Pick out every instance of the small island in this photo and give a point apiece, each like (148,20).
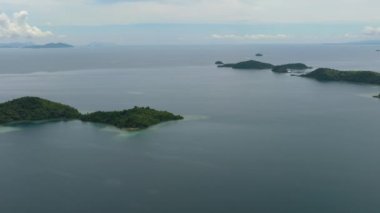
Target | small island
(219,62)
(326,74)
(286,67)
(136,118)
(257,65)
(50,45)
(377,96)
(251,64)
(29,109)
(35,109)
(259,55)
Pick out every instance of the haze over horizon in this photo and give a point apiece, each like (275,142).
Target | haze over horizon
(189,22)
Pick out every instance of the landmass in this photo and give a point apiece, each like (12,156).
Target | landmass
(326,74)
(252,64)
(136,118)
(257,65)
(15,45)
(28,109)
(50,45)
(377,96)
(259,55)
(219,62)
(34,109)
(286,67)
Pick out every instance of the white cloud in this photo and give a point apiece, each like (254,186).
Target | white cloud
(372,31)
(254,37)
(18,27)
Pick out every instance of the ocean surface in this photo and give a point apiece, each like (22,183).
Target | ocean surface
(251,142)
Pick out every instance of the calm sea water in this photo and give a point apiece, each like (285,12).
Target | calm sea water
(252,141)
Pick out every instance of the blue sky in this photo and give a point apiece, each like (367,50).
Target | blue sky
(189,22)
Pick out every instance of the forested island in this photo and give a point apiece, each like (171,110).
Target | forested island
(136,118)
(251,64)
(326,74)
(257,65)
(28,109)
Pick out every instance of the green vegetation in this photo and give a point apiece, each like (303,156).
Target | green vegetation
(256,65)
(286,67)
(325,74)
(35,109)
(136,118)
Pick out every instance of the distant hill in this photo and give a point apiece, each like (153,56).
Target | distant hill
(15,45)
(50,45)
(34,46)
(366,42)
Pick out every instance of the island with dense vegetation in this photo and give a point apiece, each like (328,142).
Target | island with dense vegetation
(251,64)
(136,118)
(257,65)
(35,109)
(326,74)
(28,109)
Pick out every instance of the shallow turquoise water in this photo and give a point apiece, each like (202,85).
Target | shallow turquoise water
(252,141)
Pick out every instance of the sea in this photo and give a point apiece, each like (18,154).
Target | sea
(252,141)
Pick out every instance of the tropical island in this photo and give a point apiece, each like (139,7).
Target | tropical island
(29,109)
(136,118)
(251,64)
(326,74)
(257,65)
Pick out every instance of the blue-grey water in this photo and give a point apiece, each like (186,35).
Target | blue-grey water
(252,141)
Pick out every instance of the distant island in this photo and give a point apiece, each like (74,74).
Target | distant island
(326,74)
(257,65)
(251,64)
(34,46)
(29,109)
(136,118)
(50,45)
(259,55)
(219,62)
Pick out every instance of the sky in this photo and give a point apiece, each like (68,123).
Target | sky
(140,22)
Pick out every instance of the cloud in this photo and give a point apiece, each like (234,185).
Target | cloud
(254,37)
(18,27)
(372,31)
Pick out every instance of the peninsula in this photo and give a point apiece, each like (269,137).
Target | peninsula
(28,109)
(326,74)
